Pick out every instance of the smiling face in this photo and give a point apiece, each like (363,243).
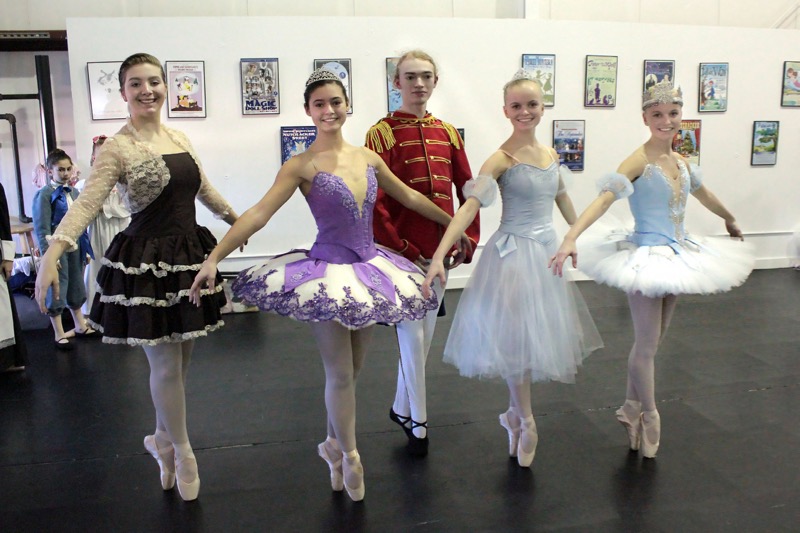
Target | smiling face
(144,90)
(524,105)
(416,79)
(664,120)
(327,107)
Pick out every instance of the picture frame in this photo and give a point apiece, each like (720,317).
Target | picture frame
(543,69)
(462,133)
(600,81)
(764,145)
(343,69)
(657,71)
(260,83)
(790,95)
(569,141)
(105,99)
(296,140)
(712,88)
(394,100)
(186,89)
(687,140)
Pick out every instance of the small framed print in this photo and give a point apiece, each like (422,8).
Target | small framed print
(764,148)
(461,132)
(186,88)
(791,84)
(569,137)
(600,82)
(687,141)
(394,100)
(104,95)
(260,87)
(713,88)
(658,71)
(543,69)
(296,140)
(342,68)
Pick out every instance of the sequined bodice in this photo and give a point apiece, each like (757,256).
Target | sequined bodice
(528,193)
(658,208)
(344,231)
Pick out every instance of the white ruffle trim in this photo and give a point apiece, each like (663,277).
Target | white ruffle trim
(695,177)
(160,270)
(615,183)
(73,245)
(483,188)
(174,337)
(172,298)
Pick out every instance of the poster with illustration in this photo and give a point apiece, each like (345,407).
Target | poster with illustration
(104,95)
(569,137)
(393,97)
(713,89)
(658,71)
(543,69)
(791,84)
(186,88)
(764,149)
(342,68)
(600,83)
(687,141)
(260,89)
(296,140)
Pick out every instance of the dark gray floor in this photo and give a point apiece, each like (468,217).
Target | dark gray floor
(728,384)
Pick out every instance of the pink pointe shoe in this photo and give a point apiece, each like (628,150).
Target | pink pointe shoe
(166,461)
(188,490)
(506,420)
(629,415)
(651,433)
(528,439)
(332,454)
(353,470)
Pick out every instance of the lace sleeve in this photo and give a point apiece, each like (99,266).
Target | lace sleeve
(105,174)
(617,184)
(695,177)
(483,188)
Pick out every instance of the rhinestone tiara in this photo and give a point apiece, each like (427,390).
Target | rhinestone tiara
(662,93)
(322,74)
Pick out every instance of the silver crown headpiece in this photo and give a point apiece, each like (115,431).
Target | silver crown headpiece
(662,93)
(322,74)
(520,74)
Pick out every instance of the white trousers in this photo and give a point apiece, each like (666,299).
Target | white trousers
(414,339)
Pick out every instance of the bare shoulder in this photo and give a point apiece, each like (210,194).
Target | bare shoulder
(633,166)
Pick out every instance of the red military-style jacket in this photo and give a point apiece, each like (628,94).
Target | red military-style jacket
(428,155)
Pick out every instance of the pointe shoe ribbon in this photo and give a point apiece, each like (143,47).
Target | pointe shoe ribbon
(188,491)
(629,415)
(166,461)
(352,468)
(513,432)
(333,457)
(651,427)
(528,439)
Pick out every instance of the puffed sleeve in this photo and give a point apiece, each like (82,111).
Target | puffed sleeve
(695,177)
(565,179)
(105,174)
(483,188)
(617,184)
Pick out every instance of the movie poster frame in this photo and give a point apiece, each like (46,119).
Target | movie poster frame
(564,125)
(347,66)
(693,157)
(701,85)
(307,134)
(789,100)
(649,66)
(176,66)
(272,62)
(392,92)
(589,76)
(100,96)
(774,159)
(546,68)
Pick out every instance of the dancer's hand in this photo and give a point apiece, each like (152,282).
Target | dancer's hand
(463,248)
(435,270)
(46,277)
(422,264)
(733,230)
(206,277)
(567,250)
(241,246)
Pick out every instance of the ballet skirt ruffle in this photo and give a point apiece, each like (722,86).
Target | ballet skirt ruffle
(143,287)
(385,289)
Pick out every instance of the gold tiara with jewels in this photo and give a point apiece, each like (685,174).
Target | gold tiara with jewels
(662,93)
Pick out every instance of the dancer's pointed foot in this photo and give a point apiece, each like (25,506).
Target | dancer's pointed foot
(629,415)
(332,454)
(353,476)
(528,439)
(651,433)
(510,421)
(166,460)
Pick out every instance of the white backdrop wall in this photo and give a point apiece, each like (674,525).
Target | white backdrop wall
(241,153)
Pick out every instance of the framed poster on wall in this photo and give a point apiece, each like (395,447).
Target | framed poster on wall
(791,84)
(296,140)
(394,100)
(260,87)
(600,82)
(658,71)
(569,137)
(687,141)
(713,88)
(543,69)
(343,69)
(186,89)
(764,147)
(104,96)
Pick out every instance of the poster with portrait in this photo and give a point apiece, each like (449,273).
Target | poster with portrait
(600,82)
(657,71)
(791,84)
(343,69)
(713,88)
(687,141)
(764,149)
(104,96)
(260,88)
(543,69)
(394,99)
(186,89)
(296,140)
(569,137)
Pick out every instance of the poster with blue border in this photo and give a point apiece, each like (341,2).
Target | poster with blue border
(296,140)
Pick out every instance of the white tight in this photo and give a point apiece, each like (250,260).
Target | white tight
(343,352)
(651,317)
(169,365)
(519,390)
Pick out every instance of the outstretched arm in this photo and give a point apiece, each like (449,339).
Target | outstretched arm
(712,203)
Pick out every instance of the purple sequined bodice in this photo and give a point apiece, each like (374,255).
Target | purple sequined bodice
(344,232)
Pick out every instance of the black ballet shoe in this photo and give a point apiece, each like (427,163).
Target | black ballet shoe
(417,446)
(87,333)
(400,420)
(64,344)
